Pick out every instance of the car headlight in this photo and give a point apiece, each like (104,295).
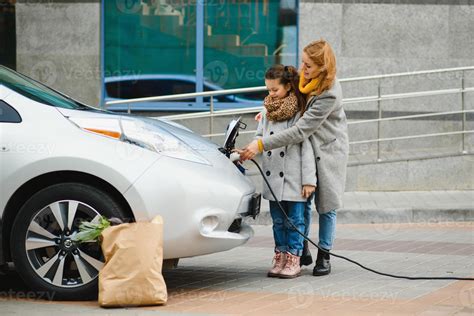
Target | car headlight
(141,134)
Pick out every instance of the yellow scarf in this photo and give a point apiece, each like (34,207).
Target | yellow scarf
(311,86)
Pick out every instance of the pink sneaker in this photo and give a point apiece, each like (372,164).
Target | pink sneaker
(292,267)
(279,261)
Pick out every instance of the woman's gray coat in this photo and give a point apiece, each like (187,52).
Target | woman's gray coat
(287,168)
(324,123)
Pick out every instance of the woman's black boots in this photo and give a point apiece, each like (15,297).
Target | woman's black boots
(323,266)
(306,258)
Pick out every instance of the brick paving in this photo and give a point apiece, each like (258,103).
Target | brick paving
(235,282)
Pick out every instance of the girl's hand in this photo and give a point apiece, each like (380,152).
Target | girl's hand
(258,117)
(308,190)
(250,151)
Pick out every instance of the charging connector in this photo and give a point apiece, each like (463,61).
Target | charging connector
(235,156)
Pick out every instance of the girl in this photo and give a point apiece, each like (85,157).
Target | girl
(290,170)
(324,124)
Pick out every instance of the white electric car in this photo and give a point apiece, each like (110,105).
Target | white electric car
(62,162)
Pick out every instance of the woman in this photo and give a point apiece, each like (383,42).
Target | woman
(324,123)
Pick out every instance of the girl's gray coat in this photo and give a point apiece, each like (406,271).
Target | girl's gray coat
(287,168)
(324,124)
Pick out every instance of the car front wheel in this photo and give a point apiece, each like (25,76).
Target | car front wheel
(43,250)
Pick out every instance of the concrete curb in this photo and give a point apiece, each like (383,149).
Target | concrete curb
(387,215)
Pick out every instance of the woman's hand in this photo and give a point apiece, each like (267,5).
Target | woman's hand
(258,117)
(250,151)
(308,190)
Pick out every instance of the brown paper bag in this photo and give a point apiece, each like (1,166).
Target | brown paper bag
(131,275)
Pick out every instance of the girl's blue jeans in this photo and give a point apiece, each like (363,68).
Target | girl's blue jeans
(327,225)
(287,239)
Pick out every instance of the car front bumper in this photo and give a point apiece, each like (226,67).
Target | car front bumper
(198,203)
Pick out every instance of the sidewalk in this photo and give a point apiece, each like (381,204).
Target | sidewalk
(235,283)
(399,207)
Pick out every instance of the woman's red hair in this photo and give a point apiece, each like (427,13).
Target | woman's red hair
(321,53)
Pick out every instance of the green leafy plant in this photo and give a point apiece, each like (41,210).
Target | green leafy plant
(89,231)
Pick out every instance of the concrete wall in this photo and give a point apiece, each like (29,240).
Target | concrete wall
(383,37)
(391,36)
(58,44)
(442,173)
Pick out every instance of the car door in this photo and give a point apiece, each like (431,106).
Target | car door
(10,120)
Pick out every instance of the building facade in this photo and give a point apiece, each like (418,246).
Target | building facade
(75,46)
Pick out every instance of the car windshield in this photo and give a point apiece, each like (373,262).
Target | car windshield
(36,91)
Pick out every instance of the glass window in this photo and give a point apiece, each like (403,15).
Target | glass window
(149,38)
(157,38)
(8,114)
(132,89)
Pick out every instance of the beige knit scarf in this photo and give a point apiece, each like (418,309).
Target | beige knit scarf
(281,109)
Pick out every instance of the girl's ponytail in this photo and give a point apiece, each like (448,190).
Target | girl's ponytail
(293,77)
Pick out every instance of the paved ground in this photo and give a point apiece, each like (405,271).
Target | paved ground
(235,282)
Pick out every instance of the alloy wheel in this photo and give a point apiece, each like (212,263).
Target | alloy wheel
(51,250)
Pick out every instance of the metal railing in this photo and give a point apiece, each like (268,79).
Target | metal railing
(462,90)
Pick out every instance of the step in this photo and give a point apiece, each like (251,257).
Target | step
(451,172)
(173,25)
(222,40)
(257,50)
(395,209)
(169,24)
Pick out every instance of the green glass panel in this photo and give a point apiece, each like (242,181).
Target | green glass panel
(156,39)
(149,40)
(243,38)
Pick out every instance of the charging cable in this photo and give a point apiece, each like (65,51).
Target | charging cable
(345,258)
